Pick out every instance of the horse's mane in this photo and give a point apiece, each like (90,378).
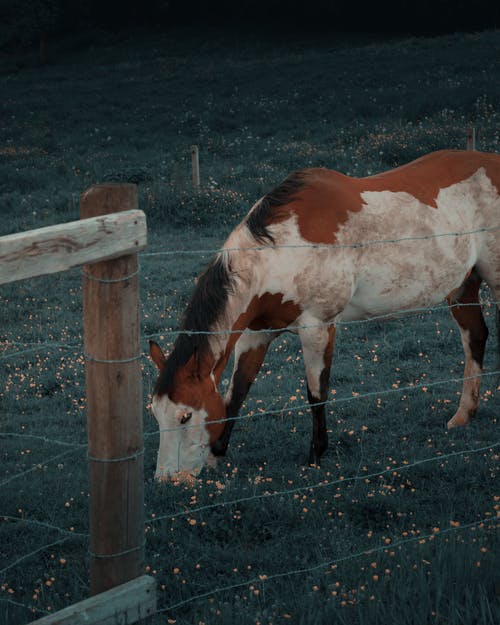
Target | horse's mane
(267,210)
(207,304)
(210,296)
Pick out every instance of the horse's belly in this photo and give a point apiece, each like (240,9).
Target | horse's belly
(393,294)
(368,305)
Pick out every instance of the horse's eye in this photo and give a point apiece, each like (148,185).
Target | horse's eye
(185,417)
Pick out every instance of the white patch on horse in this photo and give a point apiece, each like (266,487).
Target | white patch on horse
(314,342)
(419,272)
(182,449)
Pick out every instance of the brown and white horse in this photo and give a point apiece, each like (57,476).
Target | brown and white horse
(319,249)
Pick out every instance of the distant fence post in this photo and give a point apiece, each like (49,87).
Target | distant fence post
(195,162)
(471,138)
(114,403)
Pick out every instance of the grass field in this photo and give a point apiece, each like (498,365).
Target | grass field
(379,534)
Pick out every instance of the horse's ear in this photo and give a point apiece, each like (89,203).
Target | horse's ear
(157,355)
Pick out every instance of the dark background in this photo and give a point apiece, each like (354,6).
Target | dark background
(25,23)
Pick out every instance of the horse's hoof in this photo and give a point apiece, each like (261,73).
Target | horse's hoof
(314,461)
(314,465)
(458,420)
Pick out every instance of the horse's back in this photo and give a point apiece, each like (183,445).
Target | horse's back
(323,200)
(365,246)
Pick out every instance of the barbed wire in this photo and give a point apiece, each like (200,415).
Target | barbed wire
(398,315)
(41,346)
(261,579)
(367,243)
(18,604)
(333,400)
(357,245)
(323,484)
(44,524)
(45,439)
(33,553)
(392,316)
(37,467)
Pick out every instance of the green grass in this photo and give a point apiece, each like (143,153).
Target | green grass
(258,109)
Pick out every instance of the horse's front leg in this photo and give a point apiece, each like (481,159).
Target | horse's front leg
(317,348)
(249,354)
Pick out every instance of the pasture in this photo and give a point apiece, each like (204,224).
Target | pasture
(400,524)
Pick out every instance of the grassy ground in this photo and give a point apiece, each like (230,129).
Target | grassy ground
(257,109)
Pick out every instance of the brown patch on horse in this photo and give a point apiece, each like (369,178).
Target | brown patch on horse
(426,176)
(326,198)
(469,316)
(270,311)
(248,366)
(264,312)
(194,387)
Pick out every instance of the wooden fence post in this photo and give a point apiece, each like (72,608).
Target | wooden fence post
(114,403)
(471,138)
(195,163)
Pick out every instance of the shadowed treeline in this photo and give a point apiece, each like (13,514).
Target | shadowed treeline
(22,23)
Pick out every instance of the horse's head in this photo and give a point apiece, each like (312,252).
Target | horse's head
(186,415)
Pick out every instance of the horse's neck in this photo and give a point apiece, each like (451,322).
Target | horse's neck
(240,309)
(227,331)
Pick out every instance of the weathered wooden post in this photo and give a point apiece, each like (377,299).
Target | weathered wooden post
(195,164)
(471,138)
(114,403)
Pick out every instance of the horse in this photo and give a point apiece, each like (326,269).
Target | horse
(319,249)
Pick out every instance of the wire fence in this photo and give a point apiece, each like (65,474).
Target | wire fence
(265,579)
(332,246)
(75,448)
(293,327)
(397,314)
(323,484)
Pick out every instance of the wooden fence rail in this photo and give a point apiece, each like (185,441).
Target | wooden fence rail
(57,248)
(125,604)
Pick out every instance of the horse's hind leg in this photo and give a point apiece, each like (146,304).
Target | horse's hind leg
(474,332)
(317,347)
(249,353)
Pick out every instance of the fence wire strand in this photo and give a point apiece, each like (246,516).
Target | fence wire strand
(358,245)
(18,604)
(44,439)
(324,484)
(334,400)
(392,316)
(34,553)
(44,524)
(38,467)
(397,315)
(262,579)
